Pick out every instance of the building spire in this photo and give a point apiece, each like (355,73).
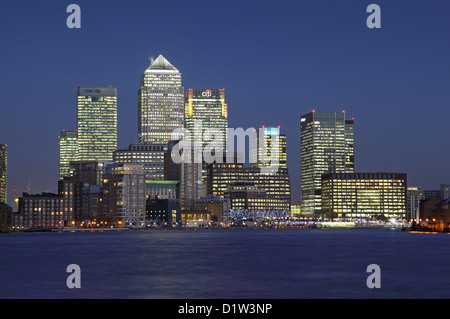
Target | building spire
(161,63)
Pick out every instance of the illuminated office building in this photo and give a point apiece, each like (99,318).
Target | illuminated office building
(364,195)
(160,102)
(97,123)
(3,173)
(271,139)
(150,155)
(227,178)
(207,108)
(67,152)
(327,146)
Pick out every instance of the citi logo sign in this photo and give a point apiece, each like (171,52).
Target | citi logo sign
(206,93)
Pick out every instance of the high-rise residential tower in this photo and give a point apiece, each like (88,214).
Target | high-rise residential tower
(97,123)
(3,173)
(160,102)
(327,146)
(67,152)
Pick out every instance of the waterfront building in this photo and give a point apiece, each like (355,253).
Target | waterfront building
(413,198)
(124,195)
(245,195)
(5,217)
(364,195)
(40,211)
(327,146)
(160,211)
(66,189)
(160,102)
(225,177)
(217,206)
(3,173)
(296,210)
(88,178)
(67,152)
(164,189)
(97,123)
(435,214)
(150,155)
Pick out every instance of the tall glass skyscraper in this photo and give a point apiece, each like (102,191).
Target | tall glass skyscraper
(209,107)
(97,123)
(268,153)
(160,102)
(3,173)
(327,146)
(67,152)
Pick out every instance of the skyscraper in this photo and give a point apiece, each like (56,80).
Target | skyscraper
(209,107)
(207,110)
(327,146)
(160,102)
(67,152)
(97,123)
(3,173)
(274,147)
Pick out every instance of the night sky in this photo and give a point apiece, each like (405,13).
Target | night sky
(277,60)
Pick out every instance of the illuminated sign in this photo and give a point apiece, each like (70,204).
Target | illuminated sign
(206,93)
(95,91)
(303,120)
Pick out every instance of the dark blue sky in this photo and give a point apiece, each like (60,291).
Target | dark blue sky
(277,60)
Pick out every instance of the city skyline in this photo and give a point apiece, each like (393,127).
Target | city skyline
(411,102)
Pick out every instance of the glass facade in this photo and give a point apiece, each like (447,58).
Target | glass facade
(208,107)
(264,154)
(160,102)
(3,173)
(67,152)
(327,146)
(364,195)
(97,123)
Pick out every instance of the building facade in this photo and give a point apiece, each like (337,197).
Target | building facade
(124,194)
(414,195)
(150,155)
(327,146)
(364,195)
(67,152)
(160,102)
(97,123)
(207,107)
(40,211)
(277,187)
(445,191)
(271,148)
(3,173)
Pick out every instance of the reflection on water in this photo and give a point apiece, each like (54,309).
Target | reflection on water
(249,263)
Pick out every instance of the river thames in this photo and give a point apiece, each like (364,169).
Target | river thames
(225,263)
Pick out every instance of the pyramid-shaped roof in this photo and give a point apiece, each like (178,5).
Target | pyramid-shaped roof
(161,63)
